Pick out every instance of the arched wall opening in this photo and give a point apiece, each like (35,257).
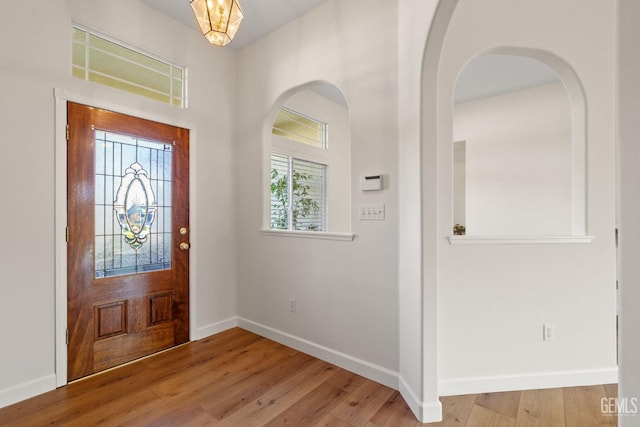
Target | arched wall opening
(542,135)
(316,103)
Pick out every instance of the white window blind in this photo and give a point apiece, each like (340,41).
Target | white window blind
(97,59)
(298,194)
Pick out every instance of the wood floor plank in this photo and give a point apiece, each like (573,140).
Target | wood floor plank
(483,417)
(366,400)
(202,376)
(312,408)
(347,381)
(82,397)
(505,403)
(172,405)
(277,400)
(166,410)
(332,421)
(172,417)
(55,411)
(611,390)
(256,383)
(394,413)
(541,408)
(206,350)
(456,410)
(111,411)
(582,407)
(612,393)
(217,384)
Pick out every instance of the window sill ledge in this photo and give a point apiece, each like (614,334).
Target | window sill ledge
(322,235)
(517,240)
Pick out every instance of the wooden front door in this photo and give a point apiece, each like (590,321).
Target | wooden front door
(127,240)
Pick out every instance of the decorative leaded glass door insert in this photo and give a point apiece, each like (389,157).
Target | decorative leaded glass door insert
(133,205)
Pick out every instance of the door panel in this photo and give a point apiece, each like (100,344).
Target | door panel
(127,201)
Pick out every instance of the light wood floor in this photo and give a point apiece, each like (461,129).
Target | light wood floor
(557,407)
(238,379)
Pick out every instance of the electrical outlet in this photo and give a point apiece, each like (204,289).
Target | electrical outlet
(292,305)
(548,332)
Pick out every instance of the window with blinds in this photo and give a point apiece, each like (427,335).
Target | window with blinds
(298,194)
(96,59)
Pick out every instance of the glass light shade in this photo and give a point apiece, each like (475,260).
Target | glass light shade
(218,19)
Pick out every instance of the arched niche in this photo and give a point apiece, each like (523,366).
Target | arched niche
(519,146)
(323,169)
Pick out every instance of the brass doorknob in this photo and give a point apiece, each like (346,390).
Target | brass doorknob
(184,246)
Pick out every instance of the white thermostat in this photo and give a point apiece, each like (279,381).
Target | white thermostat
(371,183)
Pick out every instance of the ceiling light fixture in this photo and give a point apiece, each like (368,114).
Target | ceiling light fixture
(218,19)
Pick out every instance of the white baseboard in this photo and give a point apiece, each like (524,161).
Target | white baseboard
(425,412)
(25,390)
(541,380)
(214,328)
(361,367)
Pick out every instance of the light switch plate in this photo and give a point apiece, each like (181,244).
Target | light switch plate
(371,212)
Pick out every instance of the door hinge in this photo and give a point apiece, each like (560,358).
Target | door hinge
(67,131)
(67,336)
(66,234)
(616,237)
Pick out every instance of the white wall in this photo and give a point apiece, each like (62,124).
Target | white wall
(494,299)
(518,162)
(346,292)
(36,58)
(459,182)
(629,128)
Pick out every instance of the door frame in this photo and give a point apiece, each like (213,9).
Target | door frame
(61,98)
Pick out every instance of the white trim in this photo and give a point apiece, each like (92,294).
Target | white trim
(193,229)
(324,235)
(529,381)
(286,147)
(61,97)
(214,328)
(25,390)
(517,240)
(60,142)
(122,109)
(425,412)
(361,367)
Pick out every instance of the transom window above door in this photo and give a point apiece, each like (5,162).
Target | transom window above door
(98,59)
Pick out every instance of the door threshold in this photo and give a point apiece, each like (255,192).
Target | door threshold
(131,362)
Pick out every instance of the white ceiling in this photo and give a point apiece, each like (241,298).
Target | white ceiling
(261,17)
